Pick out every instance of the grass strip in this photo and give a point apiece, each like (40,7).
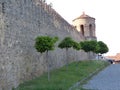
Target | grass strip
(62,79)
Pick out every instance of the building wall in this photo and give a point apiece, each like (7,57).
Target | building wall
(21,21)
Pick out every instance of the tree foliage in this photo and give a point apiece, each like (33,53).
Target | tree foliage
(94,46)
(45,43)
(76,46)
(67,42)
(101,48)
(88,46)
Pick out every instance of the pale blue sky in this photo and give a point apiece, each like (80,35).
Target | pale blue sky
(106,13)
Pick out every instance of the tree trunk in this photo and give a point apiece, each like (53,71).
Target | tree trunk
(67,57)
(77,60)
(89,55)
(48,66)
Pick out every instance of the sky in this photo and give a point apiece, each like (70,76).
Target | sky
(106,13)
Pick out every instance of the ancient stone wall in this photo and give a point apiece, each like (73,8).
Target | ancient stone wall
(21,21)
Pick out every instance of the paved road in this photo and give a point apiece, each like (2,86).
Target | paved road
(108,79)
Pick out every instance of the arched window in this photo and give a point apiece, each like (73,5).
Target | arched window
(82,29)
(90,29)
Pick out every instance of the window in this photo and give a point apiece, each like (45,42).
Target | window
(82,29)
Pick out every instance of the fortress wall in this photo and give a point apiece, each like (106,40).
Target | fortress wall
(21,21)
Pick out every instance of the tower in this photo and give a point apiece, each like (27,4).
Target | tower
(86,25)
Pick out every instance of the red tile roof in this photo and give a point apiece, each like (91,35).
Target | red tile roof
(83,16)
(116,57)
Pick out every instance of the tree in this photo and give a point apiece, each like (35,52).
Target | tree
(101,48)
(76,46)
(88,46)
(45,44)
(66,43)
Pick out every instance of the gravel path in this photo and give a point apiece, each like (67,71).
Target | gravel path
(108,79)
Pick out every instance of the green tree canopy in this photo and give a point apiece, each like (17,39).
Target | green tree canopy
(45,43)
(88,46)
(76,46)
(67,42)
(101,48)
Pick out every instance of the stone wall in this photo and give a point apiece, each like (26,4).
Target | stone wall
(21,21)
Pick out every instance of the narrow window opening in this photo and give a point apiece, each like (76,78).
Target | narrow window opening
(82,29)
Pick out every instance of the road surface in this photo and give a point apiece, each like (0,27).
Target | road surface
(108,79)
